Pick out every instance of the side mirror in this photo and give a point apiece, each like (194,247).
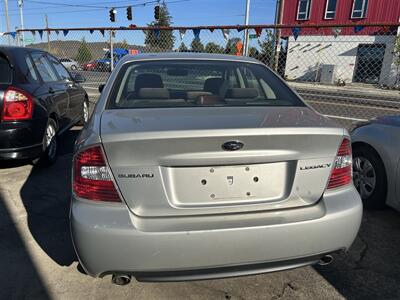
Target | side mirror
(78,78)
(101,88)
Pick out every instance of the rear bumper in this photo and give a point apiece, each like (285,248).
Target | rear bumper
(106,241)
(19,140)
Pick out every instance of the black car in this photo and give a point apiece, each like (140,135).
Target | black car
(39,100)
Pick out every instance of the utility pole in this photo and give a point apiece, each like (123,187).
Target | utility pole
(7,20)
(111,51)
(21,16)
(48,33)
(277,36)
(246,31)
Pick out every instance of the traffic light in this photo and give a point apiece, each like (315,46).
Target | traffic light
(157,12)
(112,14)
(129,12)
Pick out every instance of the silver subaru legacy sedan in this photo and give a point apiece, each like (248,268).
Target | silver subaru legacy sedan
(199,166)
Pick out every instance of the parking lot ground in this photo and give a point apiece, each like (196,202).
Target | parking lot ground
(37,259)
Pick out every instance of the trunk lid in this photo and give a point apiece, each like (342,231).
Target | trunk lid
(170,162)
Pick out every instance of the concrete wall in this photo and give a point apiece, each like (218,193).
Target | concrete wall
(308,53)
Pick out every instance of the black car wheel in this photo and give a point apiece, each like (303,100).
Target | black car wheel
(50,143)
(85,113)
(369,177)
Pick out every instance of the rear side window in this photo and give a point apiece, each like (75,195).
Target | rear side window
(5,70)
(61,71)
(44,68)
(196,83)
(29,72)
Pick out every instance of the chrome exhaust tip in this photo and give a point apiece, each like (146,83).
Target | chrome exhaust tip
(325,260)
(120,279)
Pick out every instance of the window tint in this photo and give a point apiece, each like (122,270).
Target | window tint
(5,70)
(61,71)
(303,12)
(44,68)
(186,83)
(330,11)
(29,72)
(359,9)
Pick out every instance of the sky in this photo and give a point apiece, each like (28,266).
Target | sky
(79,13)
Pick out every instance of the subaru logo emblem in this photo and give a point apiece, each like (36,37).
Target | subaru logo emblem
(232,145)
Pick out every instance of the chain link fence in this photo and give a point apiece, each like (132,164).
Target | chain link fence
(348,73)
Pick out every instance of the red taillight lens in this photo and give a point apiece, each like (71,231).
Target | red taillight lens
(342,173)
(17,105)
(92,179)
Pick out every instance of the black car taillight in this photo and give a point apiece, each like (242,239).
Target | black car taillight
(92,177)
(17,105)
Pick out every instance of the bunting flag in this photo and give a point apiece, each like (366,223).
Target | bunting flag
(336,31)
(196,33)
(182,33)
(296,32)
(102,32)
(33,32)
(57,32)
(358,28)
(225,33)
(258,31)
(157,33)
(239,29)
(91,31)
(211,29)
(65,32)
(13,34)
(40,33)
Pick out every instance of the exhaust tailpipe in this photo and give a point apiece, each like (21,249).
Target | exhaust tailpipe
(325,260)
(120,279)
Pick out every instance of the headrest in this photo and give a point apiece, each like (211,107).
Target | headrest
(148,81)
(213,85)
(153,93)
(241,93)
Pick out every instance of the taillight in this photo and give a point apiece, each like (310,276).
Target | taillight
(92,177)
(17,105)
(342,173)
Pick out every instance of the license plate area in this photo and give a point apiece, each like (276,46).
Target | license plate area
(224,185)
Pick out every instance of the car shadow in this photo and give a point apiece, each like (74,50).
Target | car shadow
(370,270)
(20,277)
(46,197)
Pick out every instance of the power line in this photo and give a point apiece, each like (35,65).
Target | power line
(92,8)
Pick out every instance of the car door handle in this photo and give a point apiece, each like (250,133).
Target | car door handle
(51,90)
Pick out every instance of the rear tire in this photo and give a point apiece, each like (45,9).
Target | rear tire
(50,144)
(369,177)
(84,113)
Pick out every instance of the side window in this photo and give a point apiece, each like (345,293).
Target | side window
(61,71)
(359,10)
(303,10)
(29,72)
(44,68)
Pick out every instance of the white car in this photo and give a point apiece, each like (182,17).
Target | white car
(376,159)
(70,64)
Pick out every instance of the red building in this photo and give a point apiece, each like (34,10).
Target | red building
(362,54)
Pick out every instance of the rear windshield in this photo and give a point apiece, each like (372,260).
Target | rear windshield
(5,70)
(191,83)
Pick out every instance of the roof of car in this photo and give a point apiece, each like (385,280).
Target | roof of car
(188,55)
